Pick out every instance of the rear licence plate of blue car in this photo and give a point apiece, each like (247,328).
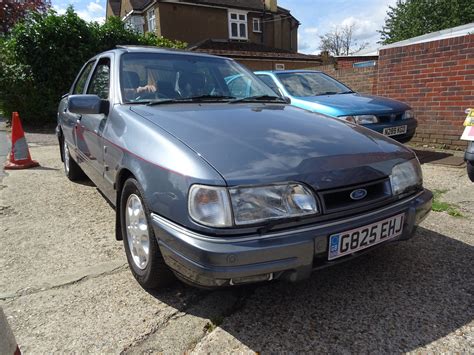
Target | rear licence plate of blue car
(393,131)
(356,239)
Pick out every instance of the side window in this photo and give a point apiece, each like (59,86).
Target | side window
(100,81)
(267,79)
(81,82)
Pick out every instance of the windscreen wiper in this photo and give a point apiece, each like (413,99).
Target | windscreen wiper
(163,101)
(258,98)
(210,97)
(327,93)
(191,99)
(345,92)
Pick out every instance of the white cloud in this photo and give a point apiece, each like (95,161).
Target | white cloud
(94,12)
(367,15)
(86,9)
(59,10)
(95,7)
(311,30)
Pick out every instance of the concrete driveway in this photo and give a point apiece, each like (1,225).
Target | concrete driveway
(65,284)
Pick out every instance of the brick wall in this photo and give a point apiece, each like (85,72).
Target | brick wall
(348,62)
(362,80)
(437,80)
(270,64)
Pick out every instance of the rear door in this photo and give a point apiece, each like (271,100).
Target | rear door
(90,127)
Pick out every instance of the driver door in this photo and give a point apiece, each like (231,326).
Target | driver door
(90,127)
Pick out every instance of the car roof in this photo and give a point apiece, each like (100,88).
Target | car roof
(287,71)
(152,49)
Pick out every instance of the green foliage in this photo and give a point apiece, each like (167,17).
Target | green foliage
(441,206)
(411,18)
(43,54)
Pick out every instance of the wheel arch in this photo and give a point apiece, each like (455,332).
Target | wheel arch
(122,176)
(60,136)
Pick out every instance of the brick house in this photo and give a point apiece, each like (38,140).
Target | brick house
(251,21)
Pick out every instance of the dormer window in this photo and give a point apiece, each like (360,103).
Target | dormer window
(237,25)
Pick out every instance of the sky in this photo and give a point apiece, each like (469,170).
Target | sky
(317,17)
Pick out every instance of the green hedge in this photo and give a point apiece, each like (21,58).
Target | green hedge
(43,54)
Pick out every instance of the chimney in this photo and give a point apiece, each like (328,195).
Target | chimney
(271,5)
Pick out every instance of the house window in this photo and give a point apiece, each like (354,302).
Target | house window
(237,25)
(257,25)
(150,15)
(369,63)
(279,66)
(134,23)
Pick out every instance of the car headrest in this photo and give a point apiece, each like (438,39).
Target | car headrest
(130,80)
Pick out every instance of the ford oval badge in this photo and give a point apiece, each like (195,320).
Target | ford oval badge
(358,194)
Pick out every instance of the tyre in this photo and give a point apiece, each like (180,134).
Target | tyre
(71,168)
(143,254)
(470,170)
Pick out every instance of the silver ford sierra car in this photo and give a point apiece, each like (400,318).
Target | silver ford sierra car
(221,184)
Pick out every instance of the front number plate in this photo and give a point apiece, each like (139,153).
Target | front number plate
(349,242)
(393,131)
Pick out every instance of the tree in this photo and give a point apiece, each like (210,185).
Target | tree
(411,18)
(42,55)
(340,41)
(12,11)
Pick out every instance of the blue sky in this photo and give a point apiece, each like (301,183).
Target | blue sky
(316,16)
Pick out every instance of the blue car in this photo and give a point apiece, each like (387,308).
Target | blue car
(318,92)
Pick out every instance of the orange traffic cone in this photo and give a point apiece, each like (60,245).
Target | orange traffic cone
(20,154)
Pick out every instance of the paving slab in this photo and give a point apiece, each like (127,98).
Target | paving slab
(66,287)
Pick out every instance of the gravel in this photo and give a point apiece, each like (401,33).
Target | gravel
(65,285)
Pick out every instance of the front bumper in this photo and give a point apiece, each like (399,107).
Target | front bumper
(405,137)
(290,254)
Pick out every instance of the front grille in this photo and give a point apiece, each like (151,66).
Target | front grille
(391,117)
(338,200)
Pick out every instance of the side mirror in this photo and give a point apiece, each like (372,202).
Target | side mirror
(87,105)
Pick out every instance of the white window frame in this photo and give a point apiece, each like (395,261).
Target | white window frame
(279,66)
(134,23)
(256,21)
(151,20)
(238,22)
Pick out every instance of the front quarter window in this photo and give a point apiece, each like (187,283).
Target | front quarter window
(81,81)
(99,84)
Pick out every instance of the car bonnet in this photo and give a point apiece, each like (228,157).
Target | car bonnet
(269,143)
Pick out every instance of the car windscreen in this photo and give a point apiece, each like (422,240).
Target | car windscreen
(306,84)
(146,77)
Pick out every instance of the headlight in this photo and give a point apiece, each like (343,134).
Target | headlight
(361,119)
(211,206)
(406,176)
(408,114)
(257,204)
